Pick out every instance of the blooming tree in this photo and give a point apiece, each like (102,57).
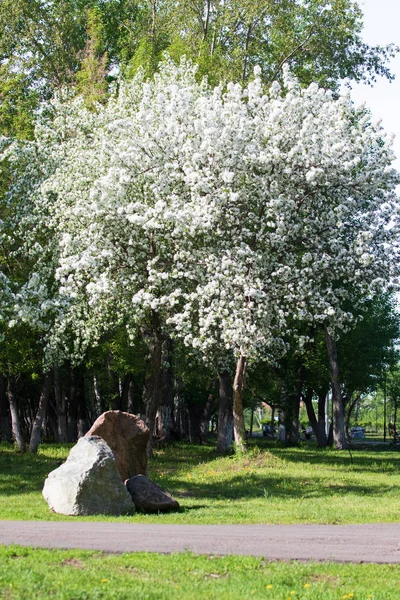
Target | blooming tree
(225,215)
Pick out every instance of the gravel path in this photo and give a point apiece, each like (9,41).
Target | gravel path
(378,542)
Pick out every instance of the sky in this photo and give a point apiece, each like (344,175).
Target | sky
(382,26)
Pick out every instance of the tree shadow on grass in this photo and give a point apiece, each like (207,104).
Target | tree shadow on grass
(373,461)
(257,486)
(24,473)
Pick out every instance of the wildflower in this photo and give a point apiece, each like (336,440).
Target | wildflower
(269,587)
(307,585)
(104,581)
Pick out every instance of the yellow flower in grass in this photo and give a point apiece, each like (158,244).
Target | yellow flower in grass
(104,581)
(269,587)
(307,585)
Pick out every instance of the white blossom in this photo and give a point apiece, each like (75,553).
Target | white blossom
(230,213)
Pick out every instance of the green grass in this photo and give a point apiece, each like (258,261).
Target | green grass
(271,484)
(26,574)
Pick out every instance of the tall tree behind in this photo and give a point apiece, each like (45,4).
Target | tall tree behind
(91,77)
(320,39)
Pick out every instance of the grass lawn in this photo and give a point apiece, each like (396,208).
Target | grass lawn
(27,574)
(270,484)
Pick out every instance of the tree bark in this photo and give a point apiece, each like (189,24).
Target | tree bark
(73,408)
(83,412)
(239,384)
(78,418)
(5,426)
(126,382)
(154,383)
(205,420)
(339,437)
(40,414)
(15,421)
(246,50)
(205,23)
(322,394)
(350,409)
(135,396)
(61,408)
(295,423)
(181,425)
(165,406)
(272,426)
(195,417)
(251,422)
(225,413)
(114,396)
(318,427)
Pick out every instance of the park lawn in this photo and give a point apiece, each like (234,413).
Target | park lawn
(270,484)
(27,574)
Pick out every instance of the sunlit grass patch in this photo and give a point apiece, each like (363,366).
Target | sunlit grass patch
(269,484)
(27,574)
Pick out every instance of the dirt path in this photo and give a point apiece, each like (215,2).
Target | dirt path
(379,543)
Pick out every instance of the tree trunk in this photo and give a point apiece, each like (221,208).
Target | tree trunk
(322,394)
(78,421)
(130,398)
(181,425)
(73,408)
(40,414)
(293,435)
(318,428)
(195,417)
(272,426)
(251,422)
(135,396)
(225,413)
(126,382)
(15,421)
(5,426)
(350,409)
(295,422)
(114,396)
(83,413)
(165,406)
(339,437)
(154,383)
(205,420)
(61,408)
(239,384)
(246,50)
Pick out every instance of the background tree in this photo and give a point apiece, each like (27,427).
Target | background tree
(47,46)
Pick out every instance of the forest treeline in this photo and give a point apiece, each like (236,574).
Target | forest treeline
(87,49)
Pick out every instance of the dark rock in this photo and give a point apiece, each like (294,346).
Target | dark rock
(148,496)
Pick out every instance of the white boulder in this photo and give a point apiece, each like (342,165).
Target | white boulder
(88,483)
